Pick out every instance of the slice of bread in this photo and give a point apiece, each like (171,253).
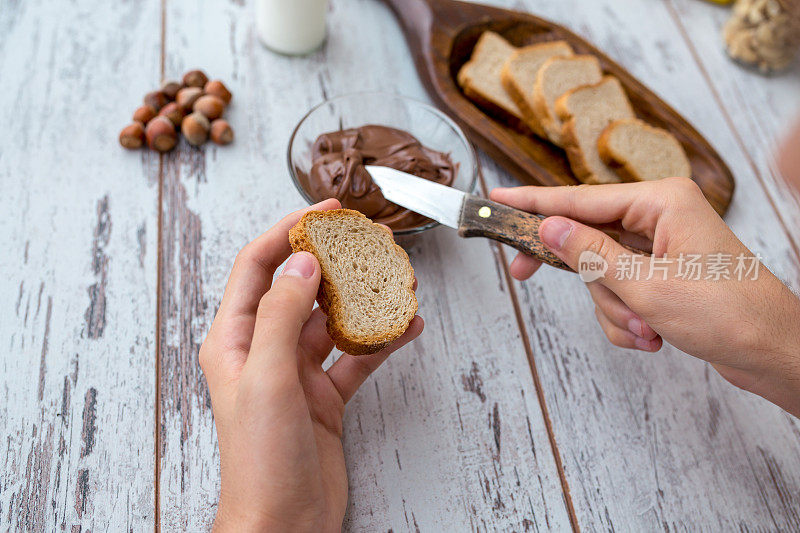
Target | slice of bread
(367,280)
(638,151)
(519,75)
(556,76)
(480,80)
(585,112)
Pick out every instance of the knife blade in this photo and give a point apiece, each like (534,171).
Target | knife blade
(471,215)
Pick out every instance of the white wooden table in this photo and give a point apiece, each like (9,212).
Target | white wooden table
(511,412)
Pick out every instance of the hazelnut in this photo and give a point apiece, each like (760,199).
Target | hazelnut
(195,78)
(211,106)
(218,89)
(171,88)
(195,128)
(156,99)
(161,134)
(221,132)
(187,96)
(132,136)
(144,113)
(173,112)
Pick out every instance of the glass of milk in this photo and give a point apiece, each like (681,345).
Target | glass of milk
(292,27)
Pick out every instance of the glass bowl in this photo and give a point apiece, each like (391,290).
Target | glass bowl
(430,126)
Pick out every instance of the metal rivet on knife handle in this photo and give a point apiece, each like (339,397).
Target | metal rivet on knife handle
(484,218)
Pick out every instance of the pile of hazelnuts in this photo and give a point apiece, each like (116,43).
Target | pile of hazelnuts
(194,105)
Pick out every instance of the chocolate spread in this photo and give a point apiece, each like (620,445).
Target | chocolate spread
(337,171)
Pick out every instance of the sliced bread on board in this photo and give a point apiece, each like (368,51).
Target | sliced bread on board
(480,79)
(519,75)
(585,112)
(555,77)
(638,151)
(367,280)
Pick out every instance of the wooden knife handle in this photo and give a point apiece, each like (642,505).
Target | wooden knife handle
(484,218)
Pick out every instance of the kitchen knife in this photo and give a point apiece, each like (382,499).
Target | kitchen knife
(471,215)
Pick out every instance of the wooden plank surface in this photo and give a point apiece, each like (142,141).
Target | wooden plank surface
(661,442)
(759,109)
(449,434)
(79,228)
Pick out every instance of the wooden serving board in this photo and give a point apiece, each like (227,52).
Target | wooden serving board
(441,35)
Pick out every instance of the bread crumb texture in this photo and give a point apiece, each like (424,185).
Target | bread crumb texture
(638,151)
(367,280)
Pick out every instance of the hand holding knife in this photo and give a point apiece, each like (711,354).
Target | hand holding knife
(471,215)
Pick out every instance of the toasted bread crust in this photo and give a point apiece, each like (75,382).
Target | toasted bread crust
(508,84)
(619,161)
(569,135)
(612,159)
(517,93)
(579,165)
(329,296)
(494,110)
(540,109)
(550,120)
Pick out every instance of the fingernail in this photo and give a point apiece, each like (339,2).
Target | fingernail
(643,344)
(554,232)
(635,326)
(300,265)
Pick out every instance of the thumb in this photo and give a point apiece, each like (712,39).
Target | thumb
(579,246)
(283,311)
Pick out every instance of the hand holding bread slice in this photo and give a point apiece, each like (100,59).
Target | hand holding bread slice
(367,287)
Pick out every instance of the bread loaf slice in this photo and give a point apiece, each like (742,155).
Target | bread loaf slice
(367,280)
(480,79)
(585,112)
(556,76)
(519,75)
(638,151)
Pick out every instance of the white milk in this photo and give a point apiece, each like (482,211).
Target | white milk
(291,26)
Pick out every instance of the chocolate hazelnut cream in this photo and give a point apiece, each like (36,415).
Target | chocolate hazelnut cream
(337,170)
